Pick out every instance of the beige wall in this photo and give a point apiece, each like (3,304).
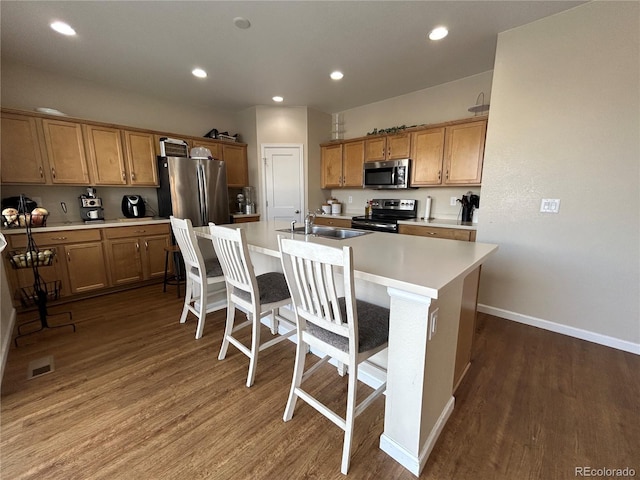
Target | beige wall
(286,125)
(26,88)
(442,103)
(564,124)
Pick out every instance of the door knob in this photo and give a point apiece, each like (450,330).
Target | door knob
(297,211)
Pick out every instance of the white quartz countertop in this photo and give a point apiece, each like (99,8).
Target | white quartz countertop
(432,222)
(80,225)
(415,264)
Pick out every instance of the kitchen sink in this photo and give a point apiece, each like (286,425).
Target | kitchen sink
(327,232)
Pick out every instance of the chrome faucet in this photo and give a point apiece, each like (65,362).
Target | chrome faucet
(308,222)
(293,226)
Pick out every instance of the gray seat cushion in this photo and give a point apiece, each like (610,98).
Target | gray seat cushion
(273,288)
(373,327)
(213,267)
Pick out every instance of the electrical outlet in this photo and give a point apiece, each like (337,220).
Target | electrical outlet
(453,202)
(433,323)
(550,205)
(350,199)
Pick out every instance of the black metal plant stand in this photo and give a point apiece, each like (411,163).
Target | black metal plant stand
(39,295)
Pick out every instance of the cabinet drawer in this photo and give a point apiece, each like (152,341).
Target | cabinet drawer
(60,237)
(136,231)
(333,222)
(438,232)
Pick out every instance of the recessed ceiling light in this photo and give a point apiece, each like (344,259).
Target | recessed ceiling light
(198,72)
(336,75)
(63,28)
(277,98)
(241,22)
(50,111)
(438,33)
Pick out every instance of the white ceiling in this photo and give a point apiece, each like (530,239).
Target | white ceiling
(290,49)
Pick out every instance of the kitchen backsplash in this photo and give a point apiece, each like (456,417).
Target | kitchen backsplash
(50,197)
(440,200)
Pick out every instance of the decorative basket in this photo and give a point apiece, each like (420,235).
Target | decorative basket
(39,258)
(29,297)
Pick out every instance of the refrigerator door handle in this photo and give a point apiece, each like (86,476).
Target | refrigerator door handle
(202,190)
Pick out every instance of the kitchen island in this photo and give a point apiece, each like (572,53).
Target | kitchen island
(422,280)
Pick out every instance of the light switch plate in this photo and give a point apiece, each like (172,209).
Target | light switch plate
(550,205)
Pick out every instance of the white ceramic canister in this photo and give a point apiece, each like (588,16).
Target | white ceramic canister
(336,208)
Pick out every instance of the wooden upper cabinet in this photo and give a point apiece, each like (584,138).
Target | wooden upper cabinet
(106,159)
(375,149)
(140,155)
(235,159)
(389,147)
(214,147)
(352,163)
(464,153)
(22,160)
(331,164)
(342,164)
(65,151)
(398,146)
(426,156)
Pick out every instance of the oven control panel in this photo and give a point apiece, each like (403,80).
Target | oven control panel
(394,204)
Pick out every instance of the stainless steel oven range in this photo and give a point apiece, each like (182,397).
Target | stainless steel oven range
(385,213)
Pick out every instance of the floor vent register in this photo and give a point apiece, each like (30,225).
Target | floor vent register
(39,367)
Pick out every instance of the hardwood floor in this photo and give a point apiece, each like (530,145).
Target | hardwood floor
(134,396)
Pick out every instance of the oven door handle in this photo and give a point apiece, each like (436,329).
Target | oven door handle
(371,225)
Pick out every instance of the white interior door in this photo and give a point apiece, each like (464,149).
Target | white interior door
(284,182)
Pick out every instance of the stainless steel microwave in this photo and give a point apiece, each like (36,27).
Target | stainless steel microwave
(392,174)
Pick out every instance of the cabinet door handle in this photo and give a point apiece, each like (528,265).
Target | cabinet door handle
(140,231)
(146,245)
(69,256)
(58,238)
(124,176)
(447,174)
(133,176)
(439,175)
(53,172)
(137,246)
(41,172)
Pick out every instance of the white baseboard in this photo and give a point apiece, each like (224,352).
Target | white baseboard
(563,329)
(6,341)
(411,462)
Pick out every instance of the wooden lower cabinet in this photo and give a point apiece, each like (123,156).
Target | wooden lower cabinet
(245,218)
(90,260)
(438,232)
(136,253)
(86,267)
(333,222)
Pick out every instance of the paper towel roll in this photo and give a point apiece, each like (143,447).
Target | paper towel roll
(427,210)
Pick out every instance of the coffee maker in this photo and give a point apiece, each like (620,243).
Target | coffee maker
(469,203)
(91,207)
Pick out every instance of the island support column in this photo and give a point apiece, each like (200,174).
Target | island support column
(420,369)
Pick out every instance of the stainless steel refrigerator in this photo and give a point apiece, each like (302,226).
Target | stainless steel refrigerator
(193,188)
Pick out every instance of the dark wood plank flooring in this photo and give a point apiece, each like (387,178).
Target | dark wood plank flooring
(135,396)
